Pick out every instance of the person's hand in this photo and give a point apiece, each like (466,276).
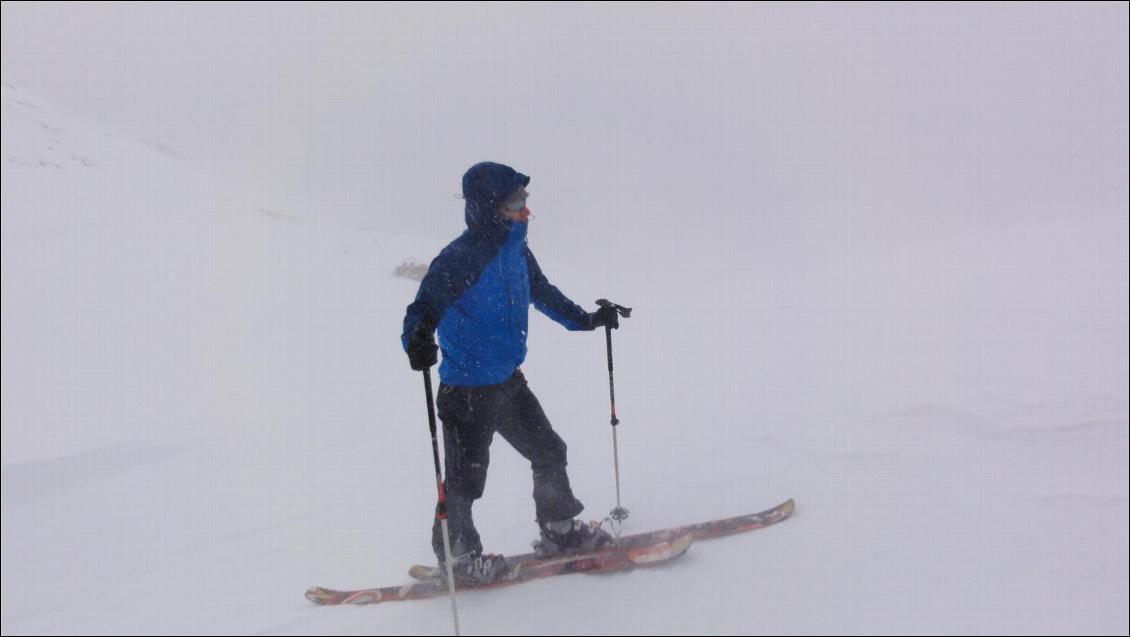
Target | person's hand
(422,350)
(606,316)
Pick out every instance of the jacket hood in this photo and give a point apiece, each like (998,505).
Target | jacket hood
(485,186)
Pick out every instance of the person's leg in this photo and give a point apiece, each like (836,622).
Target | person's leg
(466,447)
(524,425)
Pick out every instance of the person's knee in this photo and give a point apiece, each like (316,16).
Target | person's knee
(470,482)
(476,479)
(555,453)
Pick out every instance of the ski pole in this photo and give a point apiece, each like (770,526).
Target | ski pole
(619,513)
(441,504)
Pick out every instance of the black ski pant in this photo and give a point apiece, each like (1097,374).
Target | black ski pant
(471,416)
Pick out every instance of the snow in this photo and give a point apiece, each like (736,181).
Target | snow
(916,327)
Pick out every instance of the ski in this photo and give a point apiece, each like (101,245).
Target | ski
(631,551)
(609,559)
(701,531)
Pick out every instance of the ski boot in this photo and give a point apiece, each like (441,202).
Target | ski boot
(472,569)
(570,537)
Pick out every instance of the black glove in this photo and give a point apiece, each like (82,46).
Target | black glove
(606,315)
(422,349)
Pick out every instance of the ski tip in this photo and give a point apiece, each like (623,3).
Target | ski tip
(319,595)
(661,552)
(329,597)
(423,573)
(787,506)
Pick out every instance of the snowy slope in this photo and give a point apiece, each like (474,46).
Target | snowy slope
(205,411)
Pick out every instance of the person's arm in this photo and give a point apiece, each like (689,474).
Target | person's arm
(551,302)
(436,293)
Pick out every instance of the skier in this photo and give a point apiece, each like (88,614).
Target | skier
(476,294)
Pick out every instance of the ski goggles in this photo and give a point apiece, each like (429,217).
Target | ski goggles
(517,201)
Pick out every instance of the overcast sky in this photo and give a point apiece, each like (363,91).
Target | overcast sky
(901,117)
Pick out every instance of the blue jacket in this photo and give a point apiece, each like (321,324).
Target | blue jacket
(477,292)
